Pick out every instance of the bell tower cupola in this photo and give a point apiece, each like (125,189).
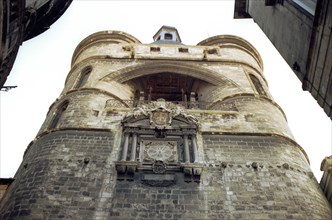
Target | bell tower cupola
(167,35)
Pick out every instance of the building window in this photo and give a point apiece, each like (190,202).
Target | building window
(307,5)
(83,78)
(155,49)
(257,84)
(57,115)
(183,50)
(168,36)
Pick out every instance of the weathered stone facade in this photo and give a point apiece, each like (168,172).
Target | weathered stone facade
(164,131)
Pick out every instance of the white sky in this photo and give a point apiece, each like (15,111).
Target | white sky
(43,63)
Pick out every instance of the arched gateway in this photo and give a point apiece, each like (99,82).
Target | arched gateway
(164,131)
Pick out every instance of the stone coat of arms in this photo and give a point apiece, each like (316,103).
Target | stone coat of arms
(161,113)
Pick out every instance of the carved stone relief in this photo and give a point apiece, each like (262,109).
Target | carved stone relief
(161,113)
(159,142)
(159,151)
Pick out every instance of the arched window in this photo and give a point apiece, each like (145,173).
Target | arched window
(257,84)
(57,115)
(166,85)
(83,77)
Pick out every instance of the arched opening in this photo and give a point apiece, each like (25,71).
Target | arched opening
(192,86)
(57,115)
(84,75)
(169,86)
(257,84)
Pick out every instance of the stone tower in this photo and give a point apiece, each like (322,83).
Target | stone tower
(164,131)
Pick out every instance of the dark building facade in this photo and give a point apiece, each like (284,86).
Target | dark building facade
(164,131)
(301,31)
(21,20)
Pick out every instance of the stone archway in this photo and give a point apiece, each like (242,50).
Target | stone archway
(172,81)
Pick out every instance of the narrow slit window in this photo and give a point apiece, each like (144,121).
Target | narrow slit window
(57,115)
(257,84)
(154,49)
(183,50)
(83,77)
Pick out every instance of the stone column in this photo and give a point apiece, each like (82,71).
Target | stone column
(194,145)
(186,149)
(133,147)
(125,147)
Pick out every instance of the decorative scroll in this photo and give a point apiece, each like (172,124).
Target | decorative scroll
(159,167)
(115,103)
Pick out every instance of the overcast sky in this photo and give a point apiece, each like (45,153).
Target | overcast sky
(43,63)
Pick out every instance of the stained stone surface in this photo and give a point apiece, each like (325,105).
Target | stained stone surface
(230,153)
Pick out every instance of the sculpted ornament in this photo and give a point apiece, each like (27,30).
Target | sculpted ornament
(159,141)
(161,113)
(155,150)
(159,167)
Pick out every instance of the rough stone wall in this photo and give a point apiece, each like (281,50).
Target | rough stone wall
(245,177)
(85,110)
(70,174)
(63,176)
(250,114)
